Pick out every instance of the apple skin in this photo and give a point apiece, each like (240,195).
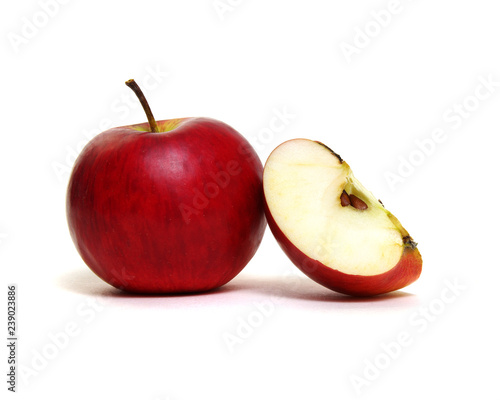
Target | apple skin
(406,271)
(170,212)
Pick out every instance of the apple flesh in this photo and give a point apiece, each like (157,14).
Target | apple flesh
(172,211)
(331,227)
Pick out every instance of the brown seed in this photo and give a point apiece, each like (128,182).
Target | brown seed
(357,203)
(344,199)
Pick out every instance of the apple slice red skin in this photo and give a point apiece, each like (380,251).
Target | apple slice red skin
(406,271)
(123,209)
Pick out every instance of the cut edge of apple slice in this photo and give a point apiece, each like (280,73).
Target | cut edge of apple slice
(303,181)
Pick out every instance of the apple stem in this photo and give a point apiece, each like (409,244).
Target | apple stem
(138,92)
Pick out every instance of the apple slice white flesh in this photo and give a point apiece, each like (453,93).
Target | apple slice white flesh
(333,228)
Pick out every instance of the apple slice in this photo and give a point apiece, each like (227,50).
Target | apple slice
(331,227)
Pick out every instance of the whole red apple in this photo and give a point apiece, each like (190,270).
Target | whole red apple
(172,206)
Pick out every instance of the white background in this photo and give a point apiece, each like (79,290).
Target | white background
(63,82)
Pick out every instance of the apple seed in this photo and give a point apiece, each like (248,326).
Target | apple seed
(344,199)
(357,203)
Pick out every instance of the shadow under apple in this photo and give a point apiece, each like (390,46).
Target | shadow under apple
(247,287)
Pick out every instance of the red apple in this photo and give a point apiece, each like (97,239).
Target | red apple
(331,227)
(172,206)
